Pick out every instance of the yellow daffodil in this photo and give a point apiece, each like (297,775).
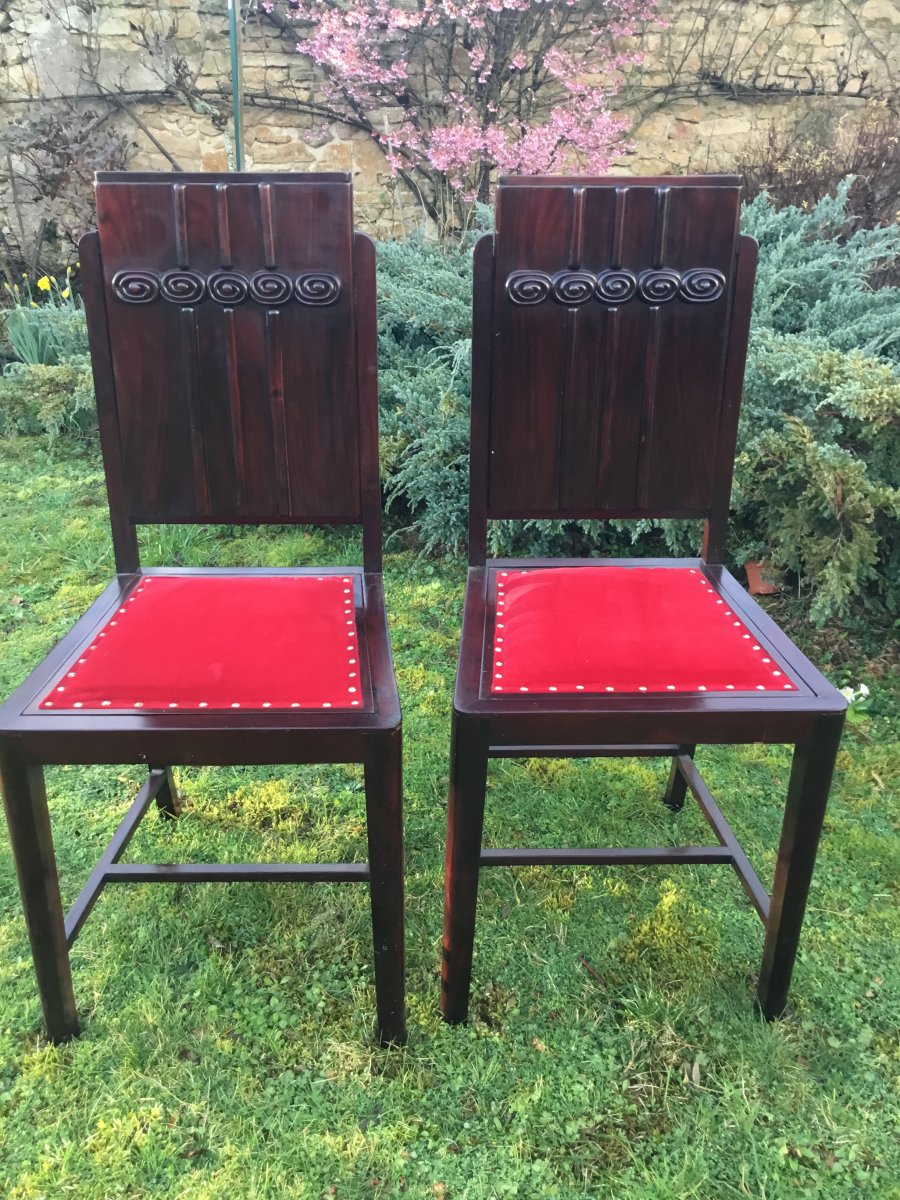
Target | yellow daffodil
(34,304)
(65,293)
(44,283)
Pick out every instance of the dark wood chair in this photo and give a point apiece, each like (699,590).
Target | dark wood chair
(611,321)
(233,339)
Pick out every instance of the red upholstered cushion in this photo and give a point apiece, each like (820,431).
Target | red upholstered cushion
(623,629)
(220,642)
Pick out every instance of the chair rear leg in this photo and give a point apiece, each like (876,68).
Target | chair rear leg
(676,788)
(465,823)
(810,781)
(167,799)
(384,821)
(32,845)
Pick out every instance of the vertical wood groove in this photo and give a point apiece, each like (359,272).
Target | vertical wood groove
(234,405)
(566,375)
(275,374)
(182,252)
(190,354)
(608,399)
(661,226)
(617,229)
(224,229)
(570,353)
(268,224)
(576,243)
(648,404)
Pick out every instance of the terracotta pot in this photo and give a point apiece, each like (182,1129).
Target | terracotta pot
(757,585)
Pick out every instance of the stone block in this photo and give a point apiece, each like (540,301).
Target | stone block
(335,156)
(730,127)
(214,160)
(290,157)
(188,25)
(274,135)
(880,10)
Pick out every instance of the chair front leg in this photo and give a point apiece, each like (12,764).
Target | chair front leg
(384,822)
(465,823)
(25,800)
(810,782)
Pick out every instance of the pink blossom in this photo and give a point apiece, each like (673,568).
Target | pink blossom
(452,89)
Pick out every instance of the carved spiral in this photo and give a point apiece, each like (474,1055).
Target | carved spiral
(615,287)
(269,287)
(702,285)
(528,287)
(573,287)
(136,287)
(658,286)
(227,287)
(182,287)
(317,287)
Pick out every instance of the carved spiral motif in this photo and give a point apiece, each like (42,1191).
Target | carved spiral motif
(182,287)
(317,287)
(269,287)
(615,287)
(573,287)
(528,287)
(658,286)
(702,285)
(227,287)
(136,287)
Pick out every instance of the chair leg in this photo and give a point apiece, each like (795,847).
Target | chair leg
(32,845)
(167,799)
(676,788)
(465,823)
(810,781)
(384,820)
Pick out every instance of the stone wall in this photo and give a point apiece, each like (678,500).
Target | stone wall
(717,74)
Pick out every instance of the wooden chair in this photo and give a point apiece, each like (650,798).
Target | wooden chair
(232,333)
(611,321)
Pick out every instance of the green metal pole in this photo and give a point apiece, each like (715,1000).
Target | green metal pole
(234,39)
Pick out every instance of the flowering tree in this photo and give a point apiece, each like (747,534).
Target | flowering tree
(455,90)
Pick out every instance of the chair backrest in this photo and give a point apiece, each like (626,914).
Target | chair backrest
(611,319)
(232,330)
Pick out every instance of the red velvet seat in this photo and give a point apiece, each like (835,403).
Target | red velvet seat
(193,642)
(623,629)
(610,326)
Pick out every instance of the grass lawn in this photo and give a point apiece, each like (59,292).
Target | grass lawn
(227,1044)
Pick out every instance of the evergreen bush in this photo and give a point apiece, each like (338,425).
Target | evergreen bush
(55,399)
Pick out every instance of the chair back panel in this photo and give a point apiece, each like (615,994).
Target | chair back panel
(612,303)
(232,337)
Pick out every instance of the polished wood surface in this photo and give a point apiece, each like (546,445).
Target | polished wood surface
(611,310)
(244,290)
